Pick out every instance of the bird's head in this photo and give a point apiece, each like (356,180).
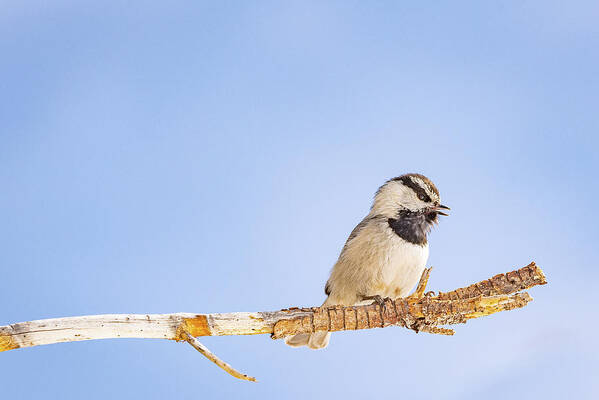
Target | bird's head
(409,194)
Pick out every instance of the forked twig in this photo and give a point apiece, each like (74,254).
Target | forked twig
(196,344)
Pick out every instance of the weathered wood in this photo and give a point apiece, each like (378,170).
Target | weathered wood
(196,344)
(423,314)
(511,282)
(148,326)
(418,314)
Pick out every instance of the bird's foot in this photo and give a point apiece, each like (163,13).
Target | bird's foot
(419,292)
(377,299)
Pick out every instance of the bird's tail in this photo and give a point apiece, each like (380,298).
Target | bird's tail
(316,340)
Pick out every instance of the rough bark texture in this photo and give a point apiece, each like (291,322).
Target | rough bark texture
(420,313)
(511,282)
(424,313)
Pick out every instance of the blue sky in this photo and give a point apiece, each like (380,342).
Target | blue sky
(213,157)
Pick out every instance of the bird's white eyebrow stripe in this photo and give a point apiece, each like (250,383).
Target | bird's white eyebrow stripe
(420,184)
(425,187)
(413,183)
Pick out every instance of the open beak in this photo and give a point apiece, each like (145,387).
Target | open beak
(442,207)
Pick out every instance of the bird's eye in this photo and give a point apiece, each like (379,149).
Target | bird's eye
(422,197)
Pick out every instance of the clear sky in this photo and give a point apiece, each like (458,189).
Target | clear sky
(214,156)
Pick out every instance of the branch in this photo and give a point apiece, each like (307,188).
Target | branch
(422,313)
(195,343)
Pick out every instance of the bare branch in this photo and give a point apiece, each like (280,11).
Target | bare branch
(196,344)
(420,312)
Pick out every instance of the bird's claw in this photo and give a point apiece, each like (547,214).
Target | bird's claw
(377,299)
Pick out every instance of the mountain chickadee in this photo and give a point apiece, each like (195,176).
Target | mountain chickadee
(386,252)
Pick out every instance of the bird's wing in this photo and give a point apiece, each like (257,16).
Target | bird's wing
(368,219)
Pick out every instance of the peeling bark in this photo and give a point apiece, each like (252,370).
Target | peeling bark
(419,312)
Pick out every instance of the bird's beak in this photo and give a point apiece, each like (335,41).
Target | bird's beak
(441,207)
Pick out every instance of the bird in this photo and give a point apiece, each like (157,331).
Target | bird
(386,253)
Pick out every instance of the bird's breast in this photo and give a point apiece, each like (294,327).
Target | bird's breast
(403,267)
(376,261)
